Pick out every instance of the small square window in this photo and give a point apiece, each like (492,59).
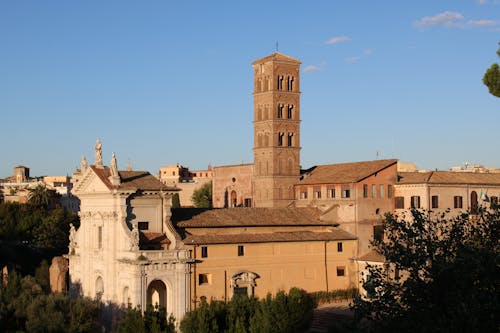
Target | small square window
(330,192)
(339,247)
(241,250)
(204,252)
(143,225)
(204,279)
(415,202)
(346,192)
(340,271)
(400,202)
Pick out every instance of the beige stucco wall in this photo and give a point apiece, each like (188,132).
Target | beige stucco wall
(280,266)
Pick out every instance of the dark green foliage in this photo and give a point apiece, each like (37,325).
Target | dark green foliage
(450,270)
(131,321)
(202,197)
(28,234)
(42,276)
(282,313)
(491,78)
(333,295)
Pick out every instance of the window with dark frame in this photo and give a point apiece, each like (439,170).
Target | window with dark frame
(143,225)
(339,247)
(399,202)
(435,201)
(203,279)
(204,252)
(457,201)
(290,111)
(378,232)
(241,250)
(415,201)
(340,271)
(346,192)
(365,191)
(317,192)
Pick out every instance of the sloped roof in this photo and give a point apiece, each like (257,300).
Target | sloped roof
(153,241)
(252,217)
(276,56)
(342,173)
(297,236)
(449,177)
(132,180)
(372,255)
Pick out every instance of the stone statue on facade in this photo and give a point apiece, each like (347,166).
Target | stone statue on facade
(114,166)
(72,238)
(83,164)
(134,240)
(98,152)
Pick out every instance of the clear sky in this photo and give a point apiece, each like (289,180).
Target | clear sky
(164,82)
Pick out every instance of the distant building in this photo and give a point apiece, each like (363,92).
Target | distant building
(187,181)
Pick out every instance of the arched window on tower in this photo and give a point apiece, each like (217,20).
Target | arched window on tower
(280,111)
(280,82)
(280,138)
(290,83)
(290,111)
(290,140)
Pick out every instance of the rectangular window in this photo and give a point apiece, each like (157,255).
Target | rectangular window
(204,279)
(365,191)
(280,139)
(204,252)
(330,192)
(389,191)
(290,108)
(340,271)
(381,191)
(241,250)
(374,191)
(415,201)
(434,201)
(400,202)
(378,232)
(457,201)
(303,194)
(290,139)
(241,291)
(346,192)
(280,111)
(248,202)
(339,247)
(143,225)
(317,192)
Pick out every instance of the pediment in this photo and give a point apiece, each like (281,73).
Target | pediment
(90,182)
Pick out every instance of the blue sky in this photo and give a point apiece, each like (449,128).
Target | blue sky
(164,82)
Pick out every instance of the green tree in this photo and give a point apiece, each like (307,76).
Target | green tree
(449,275)
(202,196)
(39,196)
(491,78)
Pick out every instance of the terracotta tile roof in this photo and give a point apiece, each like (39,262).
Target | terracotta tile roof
(372,255)
(132,180)
(153,241)
(298,236)
(343,173)
(449,177)
(276,56)
(237,217)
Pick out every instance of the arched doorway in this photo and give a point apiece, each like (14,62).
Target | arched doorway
(99,287)
(233,199)
(157,294)
(473,202)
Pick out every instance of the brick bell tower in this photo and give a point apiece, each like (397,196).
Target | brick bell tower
(276,130)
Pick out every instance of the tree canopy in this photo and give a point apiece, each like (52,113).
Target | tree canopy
(202,196)
(441,275)
(491,78)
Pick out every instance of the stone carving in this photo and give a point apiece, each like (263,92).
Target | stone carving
(72,238)
(114,166)
(83,164)
(134,240)
(98,153)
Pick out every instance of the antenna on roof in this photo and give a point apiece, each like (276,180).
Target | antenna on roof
(277,46)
